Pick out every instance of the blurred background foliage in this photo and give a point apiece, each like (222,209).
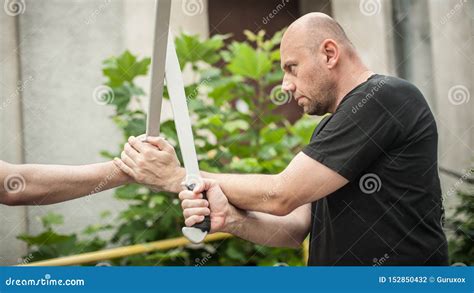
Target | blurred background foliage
(236,130)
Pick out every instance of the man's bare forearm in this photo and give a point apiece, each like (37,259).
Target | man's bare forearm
(32,184)
(253,192)
(270,230)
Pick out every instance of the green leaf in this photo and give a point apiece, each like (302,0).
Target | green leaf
(234,125)
(129,191)
(248,62)
(124,68)
(51,219)
(46,238)
(271,134)
(246,165)
(190,49)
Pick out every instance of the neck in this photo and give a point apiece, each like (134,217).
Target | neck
(350,80)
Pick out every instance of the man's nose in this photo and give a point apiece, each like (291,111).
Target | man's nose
(288,86)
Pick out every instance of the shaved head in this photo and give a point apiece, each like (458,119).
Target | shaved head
(315,53)
(316,27)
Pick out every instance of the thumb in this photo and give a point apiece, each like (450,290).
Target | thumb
(160,143)
(205,185)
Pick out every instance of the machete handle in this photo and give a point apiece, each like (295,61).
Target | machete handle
(205,225)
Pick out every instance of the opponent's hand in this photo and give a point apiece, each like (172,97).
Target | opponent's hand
(153,163)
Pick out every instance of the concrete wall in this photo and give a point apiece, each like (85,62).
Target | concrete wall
(368,24)
(61,48)
(13,219)
(452,36)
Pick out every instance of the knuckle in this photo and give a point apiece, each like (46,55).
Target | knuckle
(139,177)
(185,203)
(141,163)
(186,213)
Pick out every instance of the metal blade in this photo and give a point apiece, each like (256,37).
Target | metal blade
(160,38)
(175,85)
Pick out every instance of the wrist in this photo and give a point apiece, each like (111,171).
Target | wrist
(177,180)
(233,219)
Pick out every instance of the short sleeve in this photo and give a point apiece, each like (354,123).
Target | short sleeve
(360,131)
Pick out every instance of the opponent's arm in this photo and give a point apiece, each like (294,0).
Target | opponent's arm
(32,184)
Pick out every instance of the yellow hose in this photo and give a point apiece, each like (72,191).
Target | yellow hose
(107,254)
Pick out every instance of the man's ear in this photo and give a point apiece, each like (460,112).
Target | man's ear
(330,49)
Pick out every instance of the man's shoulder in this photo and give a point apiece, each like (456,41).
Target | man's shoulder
(391,87)
(386,92)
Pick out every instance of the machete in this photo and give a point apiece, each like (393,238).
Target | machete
(175,85)
(160,38)
(165,62)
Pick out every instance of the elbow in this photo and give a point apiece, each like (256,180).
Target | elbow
(282,206)
(280,200)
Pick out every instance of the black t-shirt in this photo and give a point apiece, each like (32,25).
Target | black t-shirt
(383,139)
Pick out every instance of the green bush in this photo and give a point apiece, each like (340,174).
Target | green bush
(461,225)
(236,130)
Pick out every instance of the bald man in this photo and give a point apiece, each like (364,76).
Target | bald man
(366,188)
